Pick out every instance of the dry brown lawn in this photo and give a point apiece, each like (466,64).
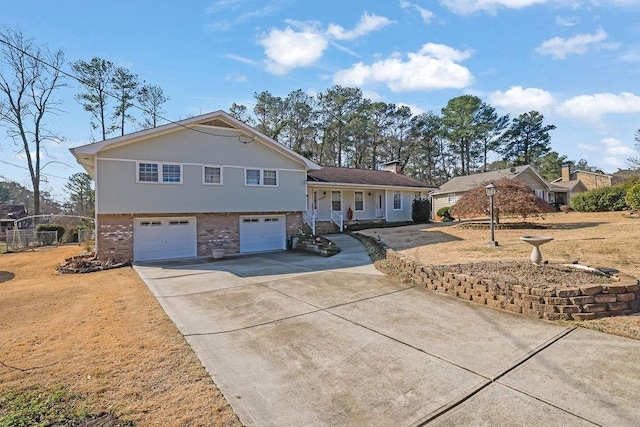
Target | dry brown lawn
(103,337)
(603,239)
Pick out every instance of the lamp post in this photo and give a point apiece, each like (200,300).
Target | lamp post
(491,191)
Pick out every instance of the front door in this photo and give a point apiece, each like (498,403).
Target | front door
(315,204)
(379,204)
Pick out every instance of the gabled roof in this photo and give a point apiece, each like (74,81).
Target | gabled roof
(363,177)
(85,154)
(460,184)
(563,186)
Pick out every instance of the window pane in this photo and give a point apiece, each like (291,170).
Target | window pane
(170,173)
(359,201)
(148,172)
(253,177)
(270,177)
(397,200)
(336,202)
(212,175)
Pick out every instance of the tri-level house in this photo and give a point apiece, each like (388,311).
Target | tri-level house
(213,182)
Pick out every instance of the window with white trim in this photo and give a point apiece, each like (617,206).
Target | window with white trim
(171,173)
(270,177)
(148,172)
(168,173)
(358,201)
(264,177)
(212,175)
(252,177)
(336,201)
(397,200)
(417,195)
(452,198)
(540,193)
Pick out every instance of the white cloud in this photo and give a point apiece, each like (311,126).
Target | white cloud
(425,14)
(518,99)
(288,49)
(242,59)
(236,77)
(302,44)
(372,95)
(567,21)
(434,66)
(616,147)
(559,47)
(367,24)
(466,7)
(592,107)
(415,110)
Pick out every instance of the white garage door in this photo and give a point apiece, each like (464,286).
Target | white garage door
(263,233)
(163,238)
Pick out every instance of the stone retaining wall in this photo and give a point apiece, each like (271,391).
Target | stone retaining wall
(581,302)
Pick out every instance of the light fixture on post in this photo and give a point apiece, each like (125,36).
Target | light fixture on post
(491,191)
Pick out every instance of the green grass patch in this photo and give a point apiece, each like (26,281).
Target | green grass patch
(37,406)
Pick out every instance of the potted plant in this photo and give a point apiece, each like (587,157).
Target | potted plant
(216,251)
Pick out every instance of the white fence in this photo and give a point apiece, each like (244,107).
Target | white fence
(19,240)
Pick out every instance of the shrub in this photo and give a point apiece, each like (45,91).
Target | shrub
(52,227)
(445,214)
(601,199)
(420,210)
(632,198)
(71,235)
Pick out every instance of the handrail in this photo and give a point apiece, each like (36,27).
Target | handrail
(336,218)
(310,219)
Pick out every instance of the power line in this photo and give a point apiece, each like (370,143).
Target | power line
(26,168)
(83,82)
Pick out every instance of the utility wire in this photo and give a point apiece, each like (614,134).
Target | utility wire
(85,83)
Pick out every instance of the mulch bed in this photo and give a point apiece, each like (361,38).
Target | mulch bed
(88,264)
(505,275)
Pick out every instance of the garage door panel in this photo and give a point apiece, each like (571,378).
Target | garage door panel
(263,233)
(164,238)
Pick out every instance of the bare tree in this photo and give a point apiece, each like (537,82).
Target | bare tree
(634,162)
(29,77)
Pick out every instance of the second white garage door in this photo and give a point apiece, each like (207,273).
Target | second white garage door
(163,238)
(262,233)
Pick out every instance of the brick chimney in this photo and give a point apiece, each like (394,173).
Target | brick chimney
(566,172)
(392,166)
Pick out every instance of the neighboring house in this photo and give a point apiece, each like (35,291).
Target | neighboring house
(590,180)
(8,214)
(565,190)
(622,175)
(181,189)
(347,196)
(451,191)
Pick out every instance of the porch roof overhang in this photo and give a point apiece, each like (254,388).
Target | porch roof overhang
(316,184)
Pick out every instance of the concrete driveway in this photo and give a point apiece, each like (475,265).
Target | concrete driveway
(293,339)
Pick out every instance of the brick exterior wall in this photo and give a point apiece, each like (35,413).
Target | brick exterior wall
(114,232)
(114,237)
(582,302)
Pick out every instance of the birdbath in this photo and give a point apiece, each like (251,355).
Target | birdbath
(536,241)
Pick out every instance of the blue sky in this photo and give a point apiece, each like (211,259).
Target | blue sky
(576,61)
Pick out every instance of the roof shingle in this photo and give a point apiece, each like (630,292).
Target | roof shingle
(336,175)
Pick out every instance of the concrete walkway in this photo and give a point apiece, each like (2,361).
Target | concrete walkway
(294,339)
